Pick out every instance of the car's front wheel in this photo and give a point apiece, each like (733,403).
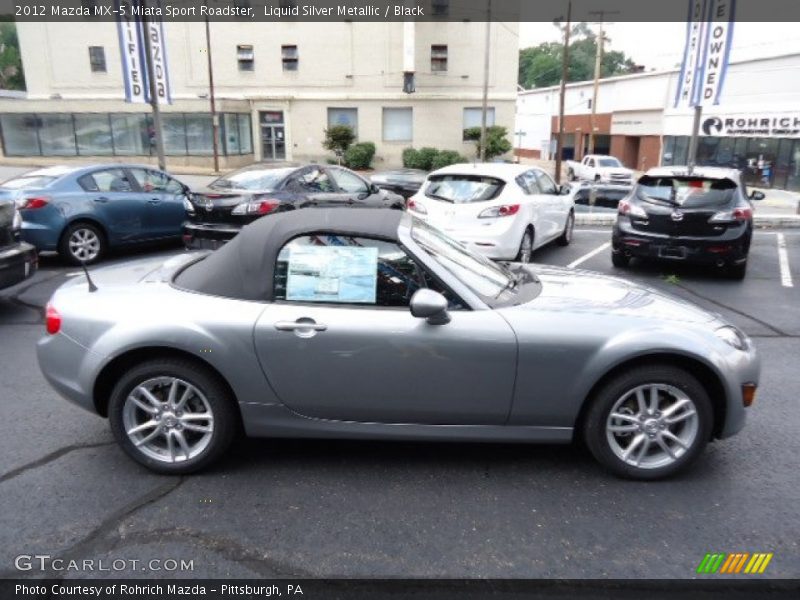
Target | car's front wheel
(566,236)
(173,416)
(526,247)
(649,422)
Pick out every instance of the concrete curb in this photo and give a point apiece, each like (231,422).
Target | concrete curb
(761,221)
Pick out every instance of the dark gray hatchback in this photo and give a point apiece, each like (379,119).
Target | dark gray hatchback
(18,260)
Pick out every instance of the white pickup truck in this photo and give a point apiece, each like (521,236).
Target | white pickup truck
(600,168)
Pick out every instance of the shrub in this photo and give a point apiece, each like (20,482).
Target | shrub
(496,141)
(410,158)
(426,158)
(359,156)
(338,139)
(447,157)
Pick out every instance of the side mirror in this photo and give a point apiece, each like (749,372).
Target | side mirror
(374,189)
(756,195)
(430,305)
(565,189)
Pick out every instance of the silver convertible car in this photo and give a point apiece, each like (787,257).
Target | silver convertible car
(326,323)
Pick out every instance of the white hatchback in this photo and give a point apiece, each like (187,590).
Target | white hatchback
(504,211)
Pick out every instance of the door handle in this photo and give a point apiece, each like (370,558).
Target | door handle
(300,325)
(100,199)
(154,201)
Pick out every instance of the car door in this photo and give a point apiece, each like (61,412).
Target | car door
(359,192)
(339,342)
(115,201)
(555,217)
(162,198)
(315,187)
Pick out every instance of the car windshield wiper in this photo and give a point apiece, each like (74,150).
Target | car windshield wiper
(669,201)
(513,281)
(438,197)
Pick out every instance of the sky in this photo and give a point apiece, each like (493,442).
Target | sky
(659,45)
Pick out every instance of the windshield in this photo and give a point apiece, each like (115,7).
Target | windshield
(484,277)
(688,192)
(462,189)
(608,162)
(28,181)
(252,179)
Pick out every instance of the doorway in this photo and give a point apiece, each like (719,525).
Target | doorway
(273,135)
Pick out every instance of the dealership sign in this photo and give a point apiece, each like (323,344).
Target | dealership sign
(753,125)
(709,36)
(131,32)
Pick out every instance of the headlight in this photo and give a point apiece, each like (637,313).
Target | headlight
(732,336)
(188,206)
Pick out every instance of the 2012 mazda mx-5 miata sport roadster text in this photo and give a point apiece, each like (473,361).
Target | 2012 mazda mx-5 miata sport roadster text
(373,324)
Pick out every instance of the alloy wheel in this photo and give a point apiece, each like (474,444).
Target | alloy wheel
(652,425)
(570,227)
(84,244)
(168,419)
(526,248)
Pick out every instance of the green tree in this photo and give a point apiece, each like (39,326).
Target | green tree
(338,139)
(11,75)
(540,66)
(496,140)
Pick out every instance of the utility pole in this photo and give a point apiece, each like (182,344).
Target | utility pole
(564,73)
(486,79)
(151,80)
(212,100)
(692,157)
(598,64)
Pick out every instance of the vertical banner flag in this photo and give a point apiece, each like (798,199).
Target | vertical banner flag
(709,36)
(131,33)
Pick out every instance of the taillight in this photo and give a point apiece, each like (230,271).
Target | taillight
(34,202)
(737,215)
(625,207)
(52,320)
(415,206)
(506,210)
(256,207)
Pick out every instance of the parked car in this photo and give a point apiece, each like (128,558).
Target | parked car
(505,211)
(405,182)
(701,215)
(373,324)
(600,168)
(217,213)
(18,259)
(82,211)
(598,197)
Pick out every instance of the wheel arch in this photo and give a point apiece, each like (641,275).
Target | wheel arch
(84,219)
(111,372)
(706,375)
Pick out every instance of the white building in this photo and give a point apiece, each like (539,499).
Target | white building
(755,127)
(278,87)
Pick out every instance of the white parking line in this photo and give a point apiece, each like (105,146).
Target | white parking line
(589,255)
(783,260)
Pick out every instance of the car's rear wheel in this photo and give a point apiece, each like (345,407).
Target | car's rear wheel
(736,272)
(569,227)
(173,416)
(619,260)
(526,247)
(83,243)
(649,422)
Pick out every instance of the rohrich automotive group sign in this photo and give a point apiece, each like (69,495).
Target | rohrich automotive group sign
(753,125)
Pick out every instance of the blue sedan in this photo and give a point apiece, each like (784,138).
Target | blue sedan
(82,211)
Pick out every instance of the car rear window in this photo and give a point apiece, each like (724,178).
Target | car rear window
(463,189)
(689,192)
(27,182)
(252,179)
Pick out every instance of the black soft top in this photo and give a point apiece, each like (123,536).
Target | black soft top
(244,267)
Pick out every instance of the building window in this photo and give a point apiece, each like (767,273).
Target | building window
(344,116)
(439,58)
(93,134)
(472,118)
(398,125)
(289,57)
(245,57)
(97,59)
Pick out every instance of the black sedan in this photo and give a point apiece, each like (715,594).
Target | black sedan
(405,182)
(18,260)
(217,213)
(701,215)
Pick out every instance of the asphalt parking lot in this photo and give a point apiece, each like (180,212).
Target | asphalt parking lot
(347,509)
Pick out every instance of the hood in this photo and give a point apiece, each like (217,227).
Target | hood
(577,291)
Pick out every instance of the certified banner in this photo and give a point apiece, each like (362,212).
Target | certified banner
(131,31)
(709,37)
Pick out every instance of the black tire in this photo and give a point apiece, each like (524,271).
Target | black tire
(597,178)
(527,236)
(594,426)
(619,260)
(566,236)
(736,272)
(226,424)
(71,255)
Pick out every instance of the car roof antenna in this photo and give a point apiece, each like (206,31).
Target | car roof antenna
(92,286)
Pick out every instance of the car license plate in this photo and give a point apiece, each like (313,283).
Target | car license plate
(673,252)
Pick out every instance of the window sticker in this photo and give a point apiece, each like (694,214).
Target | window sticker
(332,274)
